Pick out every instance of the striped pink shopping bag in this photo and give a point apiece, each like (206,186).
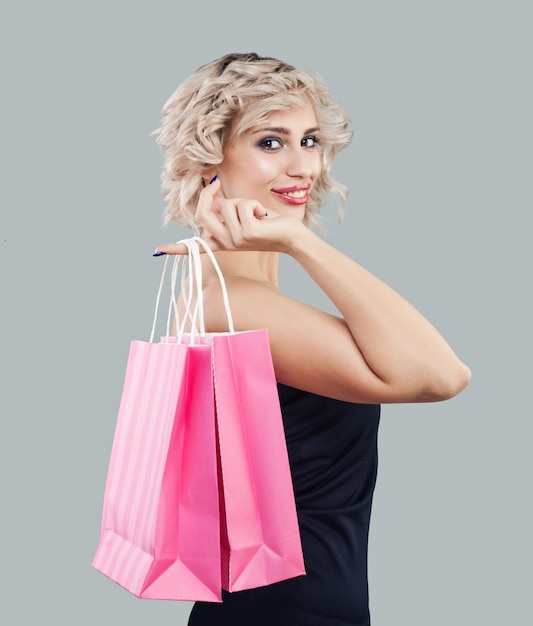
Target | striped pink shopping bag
(160,525)
(159,536)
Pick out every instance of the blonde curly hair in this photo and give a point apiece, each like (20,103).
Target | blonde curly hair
(218,103)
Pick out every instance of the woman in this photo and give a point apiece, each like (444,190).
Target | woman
(248,145)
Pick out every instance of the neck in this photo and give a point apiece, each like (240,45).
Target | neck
(259,266)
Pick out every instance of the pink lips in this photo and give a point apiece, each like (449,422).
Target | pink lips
(297,195)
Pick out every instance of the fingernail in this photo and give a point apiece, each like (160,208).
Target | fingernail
(158,253)
(213,179)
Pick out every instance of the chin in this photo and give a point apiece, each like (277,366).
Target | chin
(297,212)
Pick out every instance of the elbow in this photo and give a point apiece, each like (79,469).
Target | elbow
(446,383)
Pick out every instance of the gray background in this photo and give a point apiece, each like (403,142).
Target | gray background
(440,98)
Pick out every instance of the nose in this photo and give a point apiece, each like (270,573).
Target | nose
(302,163)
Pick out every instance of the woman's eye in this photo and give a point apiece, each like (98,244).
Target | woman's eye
(270,143)
(310,142)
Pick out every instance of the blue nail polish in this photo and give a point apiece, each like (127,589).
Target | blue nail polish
(213,179)
(158,253)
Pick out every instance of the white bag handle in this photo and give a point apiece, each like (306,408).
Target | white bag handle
(227,308)
(194,272)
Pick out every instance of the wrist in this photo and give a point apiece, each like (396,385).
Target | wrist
(299,238)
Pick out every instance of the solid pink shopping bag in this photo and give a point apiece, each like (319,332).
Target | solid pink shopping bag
(160,523)
(260,536)
(261,539)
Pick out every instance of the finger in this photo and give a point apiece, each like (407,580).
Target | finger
(234,209)
(219,223)
(249,211)
(209,210)
(171,248)
(207,196)
(260,211)
(182,249)
(229,211)
(215,207)
(239,222)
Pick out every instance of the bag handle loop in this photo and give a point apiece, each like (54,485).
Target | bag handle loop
(225,296)
(193,270)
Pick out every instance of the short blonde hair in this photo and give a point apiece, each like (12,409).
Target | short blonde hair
(218,103)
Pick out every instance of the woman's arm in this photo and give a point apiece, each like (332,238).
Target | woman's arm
(381,349)
(409,359)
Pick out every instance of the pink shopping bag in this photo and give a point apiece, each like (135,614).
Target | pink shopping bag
(159,534)
(259,527)
(260,535)
(160,524)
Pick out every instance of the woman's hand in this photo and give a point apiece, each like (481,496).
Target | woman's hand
(238,224)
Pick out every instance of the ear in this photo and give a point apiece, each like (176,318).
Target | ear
(208,175)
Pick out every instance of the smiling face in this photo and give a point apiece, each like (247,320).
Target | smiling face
(276,162)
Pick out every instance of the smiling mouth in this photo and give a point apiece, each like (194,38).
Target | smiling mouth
(298,193)
(292,195)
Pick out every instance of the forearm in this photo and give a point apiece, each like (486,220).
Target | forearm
(399,344)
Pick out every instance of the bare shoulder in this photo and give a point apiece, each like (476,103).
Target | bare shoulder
(311,349)
(254,305)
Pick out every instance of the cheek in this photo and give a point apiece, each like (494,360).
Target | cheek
(247,178)
(254,169)
(317,165)
(265,168)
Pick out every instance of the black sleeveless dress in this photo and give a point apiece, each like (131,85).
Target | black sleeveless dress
(333,457)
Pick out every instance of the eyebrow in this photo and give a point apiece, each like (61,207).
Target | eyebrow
(282,130)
